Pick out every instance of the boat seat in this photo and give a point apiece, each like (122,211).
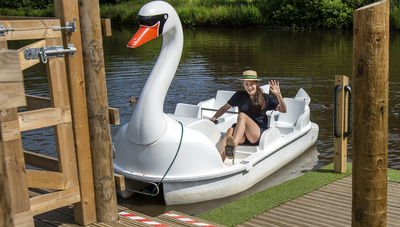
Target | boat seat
(187,110)
(286,122)
(269,137)
(265,88)
(206,127)
(221,99)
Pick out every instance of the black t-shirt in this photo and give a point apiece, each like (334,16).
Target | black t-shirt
(242,100)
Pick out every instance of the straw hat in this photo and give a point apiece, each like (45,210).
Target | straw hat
(250,75)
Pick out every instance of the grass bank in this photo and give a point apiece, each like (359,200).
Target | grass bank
(248,207)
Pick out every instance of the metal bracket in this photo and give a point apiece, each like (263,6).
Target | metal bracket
(3,30)
(349,113)
(69,27)
(43,53)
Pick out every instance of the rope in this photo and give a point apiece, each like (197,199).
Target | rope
(176,154)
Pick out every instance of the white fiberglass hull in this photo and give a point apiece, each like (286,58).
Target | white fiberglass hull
(180,192)
(187,162)
(234,179)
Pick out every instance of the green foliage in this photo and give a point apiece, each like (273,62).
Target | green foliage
(47,11)
(327,14)
(112,2)
(31,4)
(314,14)
(395,14)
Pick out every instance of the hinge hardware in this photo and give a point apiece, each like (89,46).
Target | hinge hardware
(43,53)
(3,30)
(69,27)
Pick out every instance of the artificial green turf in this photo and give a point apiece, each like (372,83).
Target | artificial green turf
(394,175)
(251,206)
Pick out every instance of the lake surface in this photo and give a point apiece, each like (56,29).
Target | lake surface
(212,60)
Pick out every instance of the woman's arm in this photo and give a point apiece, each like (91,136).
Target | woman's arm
(274,87)
(221,111)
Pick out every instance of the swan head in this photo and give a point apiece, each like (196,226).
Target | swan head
(155,18)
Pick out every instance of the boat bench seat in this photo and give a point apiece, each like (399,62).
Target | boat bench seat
(204,126)
(221,99)
(207,109)
(286,122)
(187,110)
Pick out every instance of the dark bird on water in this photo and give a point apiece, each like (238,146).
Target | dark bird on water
(132,100)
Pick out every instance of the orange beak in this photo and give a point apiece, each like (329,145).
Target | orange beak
(143,35)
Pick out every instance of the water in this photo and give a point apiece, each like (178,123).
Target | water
(213,59)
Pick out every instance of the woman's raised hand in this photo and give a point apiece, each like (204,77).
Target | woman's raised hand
(274,87)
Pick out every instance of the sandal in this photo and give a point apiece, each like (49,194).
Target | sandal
(230,148)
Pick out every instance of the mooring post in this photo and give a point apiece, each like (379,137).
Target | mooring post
(371,103)
(97,107)
(68,11)
(341,124)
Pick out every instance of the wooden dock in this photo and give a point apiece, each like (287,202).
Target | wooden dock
(65,217)
(327,206)
(127,218)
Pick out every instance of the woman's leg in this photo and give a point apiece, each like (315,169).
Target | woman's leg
(246,128)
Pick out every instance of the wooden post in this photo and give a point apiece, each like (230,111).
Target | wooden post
(340,143)
(6,218)
(12,163)
(97,104)
(85,211)
(371,103)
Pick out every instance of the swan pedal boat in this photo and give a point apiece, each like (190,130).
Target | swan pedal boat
(180,151)
(289,135)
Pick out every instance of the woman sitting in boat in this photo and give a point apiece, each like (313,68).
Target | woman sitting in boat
(252,120)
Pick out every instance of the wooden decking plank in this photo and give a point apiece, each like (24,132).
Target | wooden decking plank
(281,220)
(303,212)
(39,223)
(319,198)
(178,222)
(341,185)
(269,223)
(173,222)
(314,208)
(313,218)
(335,194)
(319,204)
(68,210)
(306,220)
(56,218)
(126,222)
(121,208)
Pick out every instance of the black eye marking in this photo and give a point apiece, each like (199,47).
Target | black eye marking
(153,20)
